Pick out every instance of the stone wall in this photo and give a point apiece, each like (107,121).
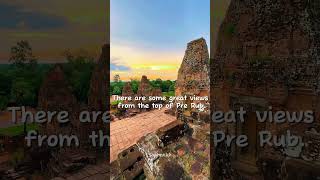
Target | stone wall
(267,55)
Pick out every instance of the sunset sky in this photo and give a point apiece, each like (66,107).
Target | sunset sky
(149,37)
(52,26)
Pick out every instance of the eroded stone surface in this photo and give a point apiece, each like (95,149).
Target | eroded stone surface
(193,76)
(127,90)
(170,151)
(263,61)
(126,132)
(55,95)
(99,92)
(144,87)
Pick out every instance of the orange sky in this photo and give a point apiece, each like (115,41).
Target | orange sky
(150,37)
(53,26)
(140,62)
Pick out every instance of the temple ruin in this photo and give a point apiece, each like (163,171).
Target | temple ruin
(179,149)
(193,79)
(267,56)
(127,90)
(55,95)
(144,87)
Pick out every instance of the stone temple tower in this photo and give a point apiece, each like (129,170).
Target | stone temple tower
(193,76)
(267,56)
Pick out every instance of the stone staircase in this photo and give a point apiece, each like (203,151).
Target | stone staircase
(69,161)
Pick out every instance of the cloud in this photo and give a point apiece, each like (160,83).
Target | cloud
(116,66)
(15,17)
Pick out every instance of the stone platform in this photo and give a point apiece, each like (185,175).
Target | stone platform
(126,132)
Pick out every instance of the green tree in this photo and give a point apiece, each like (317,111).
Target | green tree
(5,88)
(156,83)
(165,86)
(23,92)
(21,54)
(134,85)
(172,87)
(3,102)
(116,90)
(116,78)
(111,89)
(78,72)
(24,74)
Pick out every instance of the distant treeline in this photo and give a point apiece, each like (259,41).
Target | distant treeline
(165,86)
(20,80)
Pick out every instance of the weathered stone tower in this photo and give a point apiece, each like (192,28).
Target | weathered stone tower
(144,87)
(55,95)
(193,77)
(127,90)
(267,56)
(193,74)
(98,94)
(98,98)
